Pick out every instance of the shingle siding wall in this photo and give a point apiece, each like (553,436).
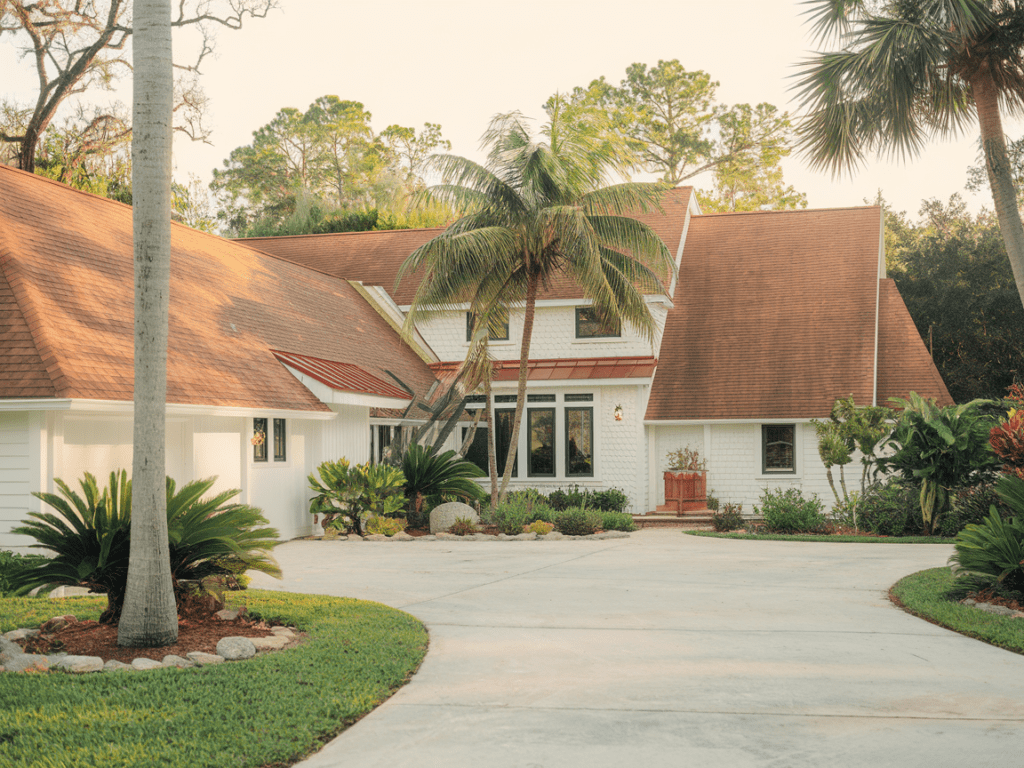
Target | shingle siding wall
(15,476)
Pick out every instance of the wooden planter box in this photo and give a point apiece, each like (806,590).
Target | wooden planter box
(686,491)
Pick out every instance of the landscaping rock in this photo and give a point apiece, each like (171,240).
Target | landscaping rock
(20,634)
(402,536)
(283,632)
(8,648)
(553,536)
(608,535)
(146,664)
(170,660)
(57,623)
(375,537)
(427,538)
(272,643)
(201,659)
(236,648)
(117,666)
(79,664)
(27,662)
(228,614)
(443,516)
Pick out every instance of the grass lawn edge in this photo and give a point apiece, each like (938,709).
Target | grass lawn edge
(820,538)
(923,594)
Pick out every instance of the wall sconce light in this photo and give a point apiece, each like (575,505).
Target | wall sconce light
(618,413)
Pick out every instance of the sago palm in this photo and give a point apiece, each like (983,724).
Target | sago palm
(535,211)
(912,69)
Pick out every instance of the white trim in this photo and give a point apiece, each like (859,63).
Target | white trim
(651,298)
(712,422)
(878,304)
(127,407)
(35,404)
(575,384)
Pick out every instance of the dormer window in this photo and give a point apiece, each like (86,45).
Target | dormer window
(589,326)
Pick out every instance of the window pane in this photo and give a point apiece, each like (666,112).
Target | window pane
(477,451)
(383,441)
(259,439)
(779,454)
(579,398)
(502,436)
(279,440)
(504,398)
(542,441)
(498,332)
(588,326)
(540,398)
(579,442)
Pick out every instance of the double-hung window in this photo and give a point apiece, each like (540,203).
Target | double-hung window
(778,449)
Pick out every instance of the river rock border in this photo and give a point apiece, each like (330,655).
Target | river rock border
(14,659)
(999,610)
(553,536)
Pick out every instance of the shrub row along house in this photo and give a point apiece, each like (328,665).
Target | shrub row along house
(285,352)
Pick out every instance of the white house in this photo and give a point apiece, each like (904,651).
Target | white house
(769,317)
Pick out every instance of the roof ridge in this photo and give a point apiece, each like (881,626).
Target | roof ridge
(244,240)
(720,214)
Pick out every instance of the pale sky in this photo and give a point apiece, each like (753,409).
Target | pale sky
(459,62)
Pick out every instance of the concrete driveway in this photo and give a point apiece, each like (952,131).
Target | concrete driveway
(667,650)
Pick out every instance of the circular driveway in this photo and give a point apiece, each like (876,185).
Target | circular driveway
(667,650)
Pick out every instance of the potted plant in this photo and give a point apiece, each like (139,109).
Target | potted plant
(686,480)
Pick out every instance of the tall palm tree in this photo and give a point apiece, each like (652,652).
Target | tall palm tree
(149,617)
(910,69)
(536,210)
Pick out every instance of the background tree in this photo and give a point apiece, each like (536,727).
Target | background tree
(536,210)
(671,124)
(79,45)
(325,170)
(150,617)
(912,69)
(953,274)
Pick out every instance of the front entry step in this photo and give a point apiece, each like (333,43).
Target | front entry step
(662,520)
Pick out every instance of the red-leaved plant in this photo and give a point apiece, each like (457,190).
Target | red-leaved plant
(1007,438)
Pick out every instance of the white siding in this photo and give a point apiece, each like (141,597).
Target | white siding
(217,450)
(347,436)
(16,471)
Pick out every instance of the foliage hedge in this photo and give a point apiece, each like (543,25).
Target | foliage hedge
(274,709)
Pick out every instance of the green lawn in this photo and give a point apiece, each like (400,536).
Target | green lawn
(833,539)
(923,594)
(271,710)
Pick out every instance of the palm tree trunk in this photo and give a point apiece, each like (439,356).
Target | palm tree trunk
(524,359)
(492,461)
(149,617)
(986,99)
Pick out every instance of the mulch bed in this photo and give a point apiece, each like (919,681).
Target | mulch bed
(195,633)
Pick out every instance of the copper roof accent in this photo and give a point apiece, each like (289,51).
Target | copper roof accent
(904,364)
(562,369)
(374,258)
(67,256)
(774,316)
(345,377)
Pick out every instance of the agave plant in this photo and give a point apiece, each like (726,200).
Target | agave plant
(91,535)
(428,472)
(993,551)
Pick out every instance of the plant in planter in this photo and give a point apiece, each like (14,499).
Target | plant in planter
(686,480)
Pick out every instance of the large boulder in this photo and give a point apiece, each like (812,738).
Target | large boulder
(443,516)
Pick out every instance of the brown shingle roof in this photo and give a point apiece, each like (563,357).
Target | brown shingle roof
(904,364)
(374,258)
(68,257)
(774,316)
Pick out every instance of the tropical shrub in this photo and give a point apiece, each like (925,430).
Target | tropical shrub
(511,518)
(787,511)
(521,508)
(348,495)
(1007,440)
(617,521)
(940,448)
(728,518)
(578,521)
(428,473)
(610,500)
(90,538)
(712,501)
(992,552)
(570,497)
(385,526)
(890,509)
(463,526)
(844,512)
(972,505)
(541,528)
(11,566)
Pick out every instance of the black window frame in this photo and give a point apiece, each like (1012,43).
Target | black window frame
(617,334)
(529,439)
(280,440)
(490,336)
(259,452)
(498,457)
(765,470)
(568,473)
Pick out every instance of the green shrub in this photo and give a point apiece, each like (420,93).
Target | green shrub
(993,552)
(511,519)
(348,495)
(541,528)
(90,538)
(385,526)
(561,500)
(578,521)
(971,505)
(610,500)
(846,512)
(617,521)
(429,473)
(519,509)
(729,518)
(712,501)
(787,511)
(11,567)
(463,526)
(892,509)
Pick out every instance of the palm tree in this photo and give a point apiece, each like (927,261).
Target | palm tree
(535,210)
(150,617)
(912,69)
